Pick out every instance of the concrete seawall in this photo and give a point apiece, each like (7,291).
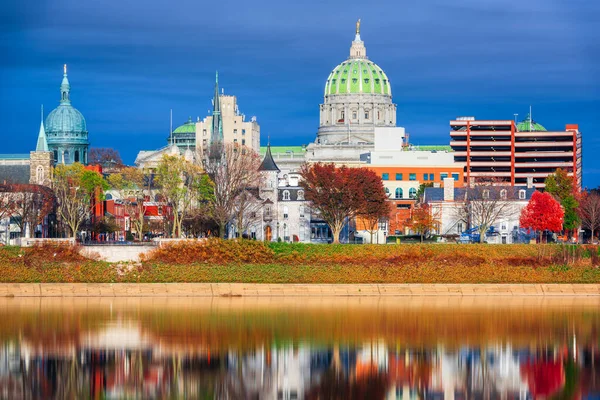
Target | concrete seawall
(289,290)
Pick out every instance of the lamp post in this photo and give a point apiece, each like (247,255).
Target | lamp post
(277,230)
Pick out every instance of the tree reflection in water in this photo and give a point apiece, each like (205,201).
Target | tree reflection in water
(299,350)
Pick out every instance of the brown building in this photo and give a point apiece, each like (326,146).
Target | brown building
(513,151)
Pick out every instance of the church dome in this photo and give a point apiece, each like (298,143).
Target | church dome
(65,119)
(188,127)
(357,75)
(529,125)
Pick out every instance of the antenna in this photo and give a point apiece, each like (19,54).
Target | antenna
(42,113)
(530,119)
(171,128)
(516,115)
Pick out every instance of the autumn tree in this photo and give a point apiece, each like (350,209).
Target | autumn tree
(375,207)
(33,204)
(76,189)
(423,220)
(8,201)
(589,211)
(133,186)
(484,203)
(340,194)
(542,213)
(233,170)
(107,157)
(180,184)
(563,188)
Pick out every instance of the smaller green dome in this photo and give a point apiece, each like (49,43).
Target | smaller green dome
(188,127)
(529,125)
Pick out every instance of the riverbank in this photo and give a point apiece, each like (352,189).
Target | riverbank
(234,290)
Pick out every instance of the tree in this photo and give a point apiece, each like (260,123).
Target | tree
(375,207)
(8,201)
(107,157)
(542,213)
(33,204)
(132,184)
(563,188)
(76,189)
(421,190)
(340,194)
(180,182)
(422,220)
(233,169)
(589,211)
(484,203)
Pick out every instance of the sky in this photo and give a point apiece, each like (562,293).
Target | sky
(130,62)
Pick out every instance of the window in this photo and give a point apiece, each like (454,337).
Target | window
(459,227)
(203,132)
(367,80)
(234,140)
(385,176)
(455,177)
(503,194)
(243,132)
(354,116)
(235,131)
(485,194)
(76,155)
(366,115)
(66,157)
(40,175)
(521,194)
(55,156)
(286,195)
(412,177)
(399,193)
(343,114)
(285,212)
(443,176)
(412,193)
(300,194)
(431,177)
(243,142)
(387,191)
(301,211)
(398,177)
(425,177)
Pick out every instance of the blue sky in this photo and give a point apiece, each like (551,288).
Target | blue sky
(131,61)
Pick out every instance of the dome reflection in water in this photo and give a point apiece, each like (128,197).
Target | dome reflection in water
(288,348)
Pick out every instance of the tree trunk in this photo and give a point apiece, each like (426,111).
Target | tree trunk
(336,229)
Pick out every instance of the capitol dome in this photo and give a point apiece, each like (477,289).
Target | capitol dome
(66,130)
(184,136)
(357,99)
(358,76)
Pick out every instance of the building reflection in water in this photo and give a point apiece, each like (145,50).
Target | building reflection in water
(230,358)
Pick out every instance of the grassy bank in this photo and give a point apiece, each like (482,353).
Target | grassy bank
(257,262)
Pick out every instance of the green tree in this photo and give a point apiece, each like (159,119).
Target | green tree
(562,187)
(421,191)
(76,190)
(132,184)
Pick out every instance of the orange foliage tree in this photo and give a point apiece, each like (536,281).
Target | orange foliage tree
(340,194)
(542,213)
(422,220)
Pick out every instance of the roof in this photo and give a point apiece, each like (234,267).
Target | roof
(268,163)
(437,194)
(14,156)
(432,147)
(14,173)
(283,149)
(529,125)
(188,127)
(357,76)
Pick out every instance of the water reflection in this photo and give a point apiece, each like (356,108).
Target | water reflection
(290,349)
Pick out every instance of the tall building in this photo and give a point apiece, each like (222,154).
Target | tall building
(66,130)
(357,99)
(227,124)
(503,149)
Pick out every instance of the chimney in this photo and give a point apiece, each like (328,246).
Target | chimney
(530,182)
(448,189)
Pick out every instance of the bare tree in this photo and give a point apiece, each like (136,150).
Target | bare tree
(233,169)
(247,210)
(484,203)
(34,203)
(589,211)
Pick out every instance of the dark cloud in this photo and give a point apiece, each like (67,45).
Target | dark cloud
(132,61)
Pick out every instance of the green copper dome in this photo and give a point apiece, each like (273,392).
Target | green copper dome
(65,119)
(358,76)
(188,127)
(529,125)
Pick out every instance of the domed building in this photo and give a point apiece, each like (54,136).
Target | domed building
(357,98)
(184,136)
(66,130)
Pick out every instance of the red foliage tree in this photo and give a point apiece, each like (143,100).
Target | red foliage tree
(341,193)
(542,213)
(422,220)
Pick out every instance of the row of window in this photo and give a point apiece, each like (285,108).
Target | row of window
(235,131)
(399,193)
(286,195)
(427,177)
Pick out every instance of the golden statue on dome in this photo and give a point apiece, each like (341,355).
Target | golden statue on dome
(358,27)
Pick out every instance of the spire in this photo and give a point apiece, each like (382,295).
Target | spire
(65,88)
(217,121)
(42,143)
(268,163)
(358,49)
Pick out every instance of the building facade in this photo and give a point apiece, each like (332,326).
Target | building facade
(66,129)
(505,150)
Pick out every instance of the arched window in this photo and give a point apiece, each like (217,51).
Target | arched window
(40,175)
(286,212)
(76,155)
(108,196)
(55,156)
(387,191)
(286,195)
(399,193)
(300,194)
(66,157)
(503,194)
(412,193)
(521,194)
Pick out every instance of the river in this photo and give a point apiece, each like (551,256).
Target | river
(300,348)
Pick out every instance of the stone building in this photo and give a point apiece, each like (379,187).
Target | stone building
(66,130)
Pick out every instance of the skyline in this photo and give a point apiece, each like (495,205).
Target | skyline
(126,75)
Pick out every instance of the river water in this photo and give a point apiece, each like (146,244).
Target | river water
(295,348)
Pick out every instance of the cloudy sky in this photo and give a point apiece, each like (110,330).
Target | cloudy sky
(131,61)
